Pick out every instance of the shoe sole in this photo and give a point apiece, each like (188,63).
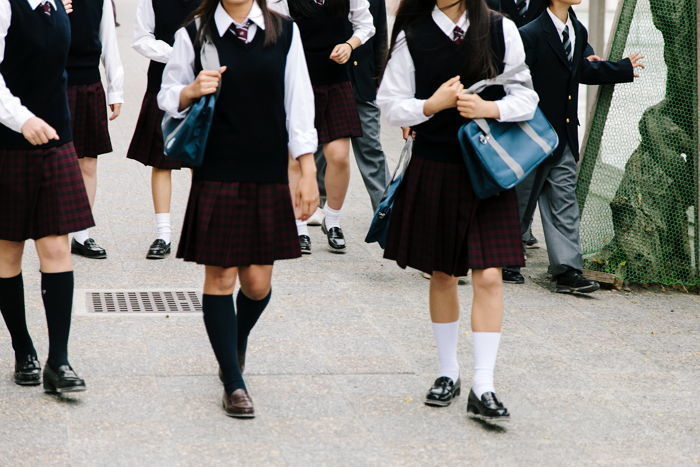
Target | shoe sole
(488,419)
(583,290)
(305,252)
(431,403)
(513,282)
(533,247)
(244,416)
(87,256)
(36,382)
(52,390)
(157,256)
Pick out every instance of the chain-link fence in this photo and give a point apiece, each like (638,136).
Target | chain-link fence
(638,182)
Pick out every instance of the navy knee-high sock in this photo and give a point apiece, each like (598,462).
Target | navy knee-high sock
(220,322)
(57,294)
(249,311)
(13,312)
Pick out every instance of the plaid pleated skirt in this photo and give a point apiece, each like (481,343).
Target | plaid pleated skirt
(42,193)
(438,224)
(230,224)
(147,143)
(88,112)
(336,112)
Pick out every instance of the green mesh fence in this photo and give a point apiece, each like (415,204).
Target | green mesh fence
(638,184)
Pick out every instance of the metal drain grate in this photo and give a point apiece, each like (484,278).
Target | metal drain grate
(168,301)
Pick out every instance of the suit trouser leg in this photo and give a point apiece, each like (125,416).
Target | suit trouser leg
(368,151)
(525,191)
(321,173)
(560,215)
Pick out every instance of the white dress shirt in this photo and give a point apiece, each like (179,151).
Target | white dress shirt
(397,93)
(12,113)
(145,41)
(298,93)
(111,60)
(559,25)
(359,16)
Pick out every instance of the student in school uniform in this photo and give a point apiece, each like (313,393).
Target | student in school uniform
(154,34)
(520,12)
(438,225)
(324,33)
(93,35)
(240,216)
(42,193)
(558,54)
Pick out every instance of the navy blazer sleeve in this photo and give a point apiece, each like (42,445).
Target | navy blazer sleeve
(606,72)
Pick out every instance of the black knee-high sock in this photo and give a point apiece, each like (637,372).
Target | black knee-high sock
(13,312)
(57,293)
(249,311)
(220,322)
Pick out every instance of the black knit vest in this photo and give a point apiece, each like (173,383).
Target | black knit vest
(321,31)
(34,69)
(248,139)
(85,47)
(170,16)
(437,59)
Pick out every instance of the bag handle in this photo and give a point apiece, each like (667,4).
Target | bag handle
(501,80)
(208,55)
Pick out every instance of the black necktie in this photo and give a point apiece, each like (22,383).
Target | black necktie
(566,40)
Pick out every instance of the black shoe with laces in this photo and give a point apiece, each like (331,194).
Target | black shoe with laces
(89,249)
(158,249)
(442,392)
(573,282)
(305,244)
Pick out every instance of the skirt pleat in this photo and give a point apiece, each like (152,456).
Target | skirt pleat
(88,111)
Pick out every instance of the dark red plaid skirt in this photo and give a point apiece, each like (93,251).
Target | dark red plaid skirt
(438,224)
(42,193)
(230,224)
(336,112)
(147,143)
(88,111)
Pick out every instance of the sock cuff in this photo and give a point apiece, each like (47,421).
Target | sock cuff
(241,297)
(453,323)
(56,275)
(330,210)
(10,280)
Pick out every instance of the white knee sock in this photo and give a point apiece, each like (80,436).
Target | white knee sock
(446,336)
(332,217)
(485,352)
(163,226)
(302,228)
(81,236)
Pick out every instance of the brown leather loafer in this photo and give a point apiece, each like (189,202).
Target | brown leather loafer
(238,404)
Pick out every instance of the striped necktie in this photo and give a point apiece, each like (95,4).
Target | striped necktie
(46,8)
(241,32)
(566,40)
(457,35)
(521,7)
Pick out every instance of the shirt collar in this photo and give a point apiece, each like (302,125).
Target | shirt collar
(445,23)
(35,3)
(559,24)
(223,20)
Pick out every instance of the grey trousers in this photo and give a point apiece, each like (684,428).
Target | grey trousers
(554,187)
(368,153)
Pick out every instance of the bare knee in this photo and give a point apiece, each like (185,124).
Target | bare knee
(257,290)
(219,281)
(10,258)
(440,280)
(88,167)
(337,153)
(487,280)
(54,254)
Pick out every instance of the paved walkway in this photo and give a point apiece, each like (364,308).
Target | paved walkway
(339,364)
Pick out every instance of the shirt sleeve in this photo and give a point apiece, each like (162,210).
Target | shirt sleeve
(178,73)
(279,6)
(12,113)
(397,92)
(520,101)
(145,41)
(110,56)
(361,19)
(299,101)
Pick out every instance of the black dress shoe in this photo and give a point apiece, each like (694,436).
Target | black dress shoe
(336,239)
(487,408)
(158,249)
(512,276)
(238,404)
(573,282)
(27,371)
(62,380)
(305,244)
(442,392)
(89,249)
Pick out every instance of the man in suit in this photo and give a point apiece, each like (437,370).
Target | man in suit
(556,48)
(365,66)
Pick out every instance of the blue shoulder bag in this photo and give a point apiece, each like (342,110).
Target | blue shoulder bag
(185,139)
(499,155)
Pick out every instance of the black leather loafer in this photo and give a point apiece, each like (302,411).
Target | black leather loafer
(573,282)
(89,249)
(158,249)
(487,408)
(62,380)
(442,392)
(305,244)
(238,404)
(336,239)
(27,371)
(512,276)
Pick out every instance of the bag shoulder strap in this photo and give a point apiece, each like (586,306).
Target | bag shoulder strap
(500,80)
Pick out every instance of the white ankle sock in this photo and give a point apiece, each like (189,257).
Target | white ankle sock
(163,226)
(302,228)
(485,352)
(81,236)
(446,336)
(332,216)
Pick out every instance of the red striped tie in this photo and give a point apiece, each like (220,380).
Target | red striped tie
(241,32)
(457,35)
(46,8)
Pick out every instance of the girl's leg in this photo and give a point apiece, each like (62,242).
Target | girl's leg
(337,178)
(487,315)
(12,298)
(161,190)
(253,297)
(444,313)
(88,167)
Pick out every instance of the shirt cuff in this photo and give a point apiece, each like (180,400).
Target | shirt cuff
(505,112)
(23,114)
(303,144)
(172,102)
(115,98)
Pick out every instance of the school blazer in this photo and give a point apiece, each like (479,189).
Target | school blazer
(507,7)
(556,80)
(368,60)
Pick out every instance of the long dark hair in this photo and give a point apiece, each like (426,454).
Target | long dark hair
(482,61)
(206,9)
